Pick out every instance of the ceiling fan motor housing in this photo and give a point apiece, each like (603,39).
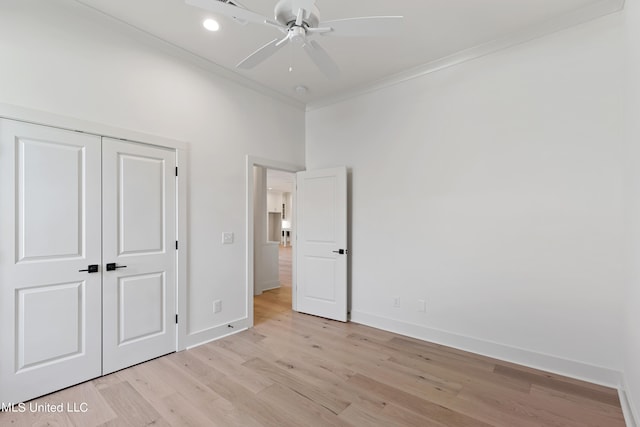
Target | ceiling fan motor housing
(286,15)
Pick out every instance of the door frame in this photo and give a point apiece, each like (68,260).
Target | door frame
(181,148)
(252,161)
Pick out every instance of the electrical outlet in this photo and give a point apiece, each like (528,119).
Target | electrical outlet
(422,305)
(227,238)
(396,302)
(217,306)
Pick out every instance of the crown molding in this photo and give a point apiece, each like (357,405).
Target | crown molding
(579,16)
(197,60)
(554,25)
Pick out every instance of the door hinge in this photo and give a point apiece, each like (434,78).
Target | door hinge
(176,245)
(176,171)
(176,319)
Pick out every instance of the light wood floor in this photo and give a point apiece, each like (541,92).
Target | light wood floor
(297,370)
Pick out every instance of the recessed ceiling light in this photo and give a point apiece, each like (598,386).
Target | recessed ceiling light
(211,24)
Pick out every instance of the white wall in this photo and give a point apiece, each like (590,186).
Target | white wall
(274,201)
(502,207)
(61,57)
(266,272)
(493,190)
(632,341)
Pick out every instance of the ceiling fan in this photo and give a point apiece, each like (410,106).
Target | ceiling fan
(300,21)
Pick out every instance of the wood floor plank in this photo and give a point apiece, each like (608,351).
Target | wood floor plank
(473,378)
(147,381)
(132,409)
(605,395)
(602,407)
(541,410)
(299,408)
(396,414)
(359,416)
(293,369)
(183,381)
(284,378)
(435,352)
(30,417)
(231,368)
(86,394)
(251,403)
(179,411)
(418,405)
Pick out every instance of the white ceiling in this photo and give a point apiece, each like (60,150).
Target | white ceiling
(280,181)
(433,30)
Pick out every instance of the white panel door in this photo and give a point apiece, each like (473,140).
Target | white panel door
(50,310)
(322,243)
(139,220)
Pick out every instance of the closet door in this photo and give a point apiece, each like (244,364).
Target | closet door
(139,220)
(50,233)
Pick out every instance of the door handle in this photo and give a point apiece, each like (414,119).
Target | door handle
(112,266)
(341,251)
(93,268)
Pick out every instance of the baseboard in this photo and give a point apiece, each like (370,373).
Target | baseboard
(268,285)
(271,286)
(570,368)
(196,338)
(628,408)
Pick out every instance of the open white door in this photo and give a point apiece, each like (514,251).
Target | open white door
(139,252)
(50,247)
(322,243)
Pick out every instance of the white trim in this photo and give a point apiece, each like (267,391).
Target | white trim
(628,409)
(554,25)
(218,332)
(270,164)
(270,285)
(43,118)
(570,368)
(39,117)
(183,248)
(199,61)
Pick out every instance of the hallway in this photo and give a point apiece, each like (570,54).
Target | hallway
(276,301)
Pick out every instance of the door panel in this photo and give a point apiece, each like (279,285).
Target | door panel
(50,311)
(139,236)
(49,324)
(141,307)
(322,232)
(141,181)
(54,232)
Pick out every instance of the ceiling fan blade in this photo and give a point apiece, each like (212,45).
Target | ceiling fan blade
(230,10)
(370,26)
(263,53)
(322,59)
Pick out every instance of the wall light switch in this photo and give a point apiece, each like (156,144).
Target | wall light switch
(227,238)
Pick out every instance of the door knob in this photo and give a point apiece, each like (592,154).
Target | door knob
(112,266)
(341,251)
(93,268)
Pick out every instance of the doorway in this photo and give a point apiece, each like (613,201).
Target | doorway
(270,237)
(273,232)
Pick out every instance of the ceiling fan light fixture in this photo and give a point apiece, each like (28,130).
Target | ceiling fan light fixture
(211,24)
(300,21)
